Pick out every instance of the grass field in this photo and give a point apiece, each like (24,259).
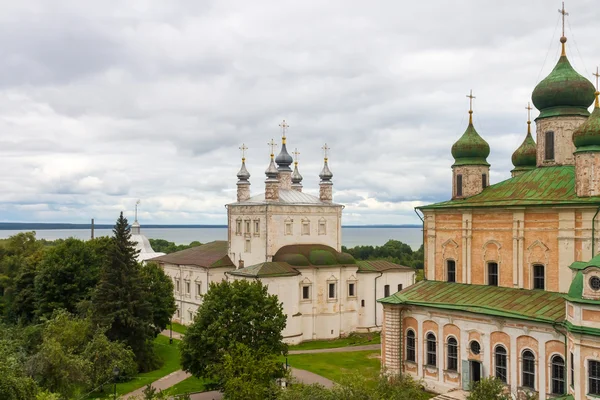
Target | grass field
(169,353)
(356,339)
(190,385)
(179,328)
(335,365)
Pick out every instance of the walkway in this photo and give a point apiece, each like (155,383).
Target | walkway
(301,375)
(453,395)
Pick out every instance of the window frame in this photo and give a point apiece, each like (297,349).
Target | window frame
(188,287)
(431,350)
(322,229)
(501,368)
(352,293)
(198,289)
(386,291)
(305,227)
(535,279)
(247,246)
(238,226)
(288,227)
(527,375)
(411,346)
(331,284)
(459,185)
(557,383)
(452,354)
(593,381)
(400,287)
(493,279)
(453,280)
(306,287)
(484,181)
(549,146)
(256,227)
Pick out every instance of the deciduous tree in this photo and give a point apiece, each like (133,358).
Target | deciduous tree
(159,288)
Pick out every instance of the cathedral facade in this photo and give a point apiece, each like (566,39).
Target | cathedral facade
(512,269)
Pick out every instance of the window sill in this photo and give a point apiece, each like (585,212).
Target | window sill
(452,373)
(305,301)
(411,363)
(432,369)
(332,300)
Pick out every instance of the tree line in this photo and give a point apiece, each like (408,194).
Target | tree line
(394,251)
(71,311)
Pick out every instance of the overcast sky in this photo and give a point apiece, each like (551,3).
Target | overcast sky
(106,102)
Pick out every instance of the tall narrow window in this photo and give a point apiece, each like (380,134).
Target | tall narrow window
(549,149)
(306,292)
(247,246)
(322,227)
(452,354)
(256,227)
(459,185)
(177,285)
(431,350)
(399,287)
(198,288)
(386,291)
(500,358)
(528,369)
(411,352)
(247,222)
(538,277)
(558,375)
(331,291)
(352,289)
(484,180)
(306,227)
(572,370)
(187,287)
(593,377)
(493,274)
(451,270)
(238,227)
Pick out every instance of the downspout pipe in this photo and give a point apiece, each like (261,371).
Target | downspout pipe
(375,300)
(423,230)
(567,358)
(594,231)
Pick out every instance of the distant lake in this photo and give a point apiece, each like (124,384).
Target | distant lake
(354,236)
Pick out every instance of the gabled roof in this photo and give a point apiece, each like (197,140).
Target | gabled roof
(531,305)
(288,197)
(538,187)
(266,269)
(380,266)
(213,254)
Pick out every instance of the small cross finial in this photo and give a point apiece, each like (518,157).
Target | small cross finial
(325,149)
(471,97)
(528,108)
(243,148)
(137,203)
(597,75)
(283,127)
(564,14)
(296,153)
(272,145)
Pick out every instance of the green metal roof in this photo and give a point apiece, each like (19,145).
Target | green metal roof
(545,186)
(267,269)
(575,294)
(531,305)
(525,156)
(587,136)
(470,148)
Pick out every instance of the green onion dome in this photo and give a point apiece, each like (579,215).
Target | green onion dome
(470,149)
(525,156)
(564,91)
(587,136)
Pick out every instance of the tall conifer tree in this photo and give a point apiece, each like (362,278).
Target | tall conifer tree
(120,300)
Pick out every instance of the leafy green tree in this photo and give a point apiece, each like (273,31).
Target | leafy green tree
(247,374)
(164,246)
(159,288)
(14,383)
(120,302)
(232,312)
(104,355)
(488,389)
(22,308)
(393,250)
(67,274)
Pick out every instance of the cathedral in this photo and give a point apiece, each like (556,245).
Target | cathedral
(291,241)
(512,286)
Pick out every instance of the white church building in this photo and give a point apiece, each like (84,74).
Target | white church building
(292,242)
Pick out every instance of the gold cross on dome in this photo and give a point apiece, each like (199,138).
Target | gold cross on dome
(243,148)
(325,149)
(471,97)
(272,145)
(597,75)
(564,14)
(283,127)
(528,108)
(296,153)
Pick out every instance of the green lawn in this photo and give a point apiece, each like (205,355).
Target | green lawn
(356,339)
(190,385)
(169,353)
(335,365)
(179,328)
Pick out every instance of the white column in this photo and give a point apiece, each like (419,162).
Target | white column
(513,362)
(566,248)
(441,352)
(542,366)
(487,359)
(515,250)
(420,345)
(468,224)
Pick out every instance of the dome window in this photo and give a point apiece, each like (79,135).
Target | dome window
(595,283)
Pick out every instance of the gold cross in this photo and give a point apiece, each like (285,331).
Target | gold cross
(243,148)
(471,97)
(325,151)
(283,127)
(528,108)
(564,14)
(296,153)
(597,75)
(272,145)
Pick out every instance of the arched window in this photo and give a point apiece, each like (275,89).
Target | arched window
(452,354)
(411,354)
(558,375)
(539,277)
(483,181)
(549,146)
(501,363)
(451,270)
(459,190)
(492,274)
(528,369)
(431,350)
